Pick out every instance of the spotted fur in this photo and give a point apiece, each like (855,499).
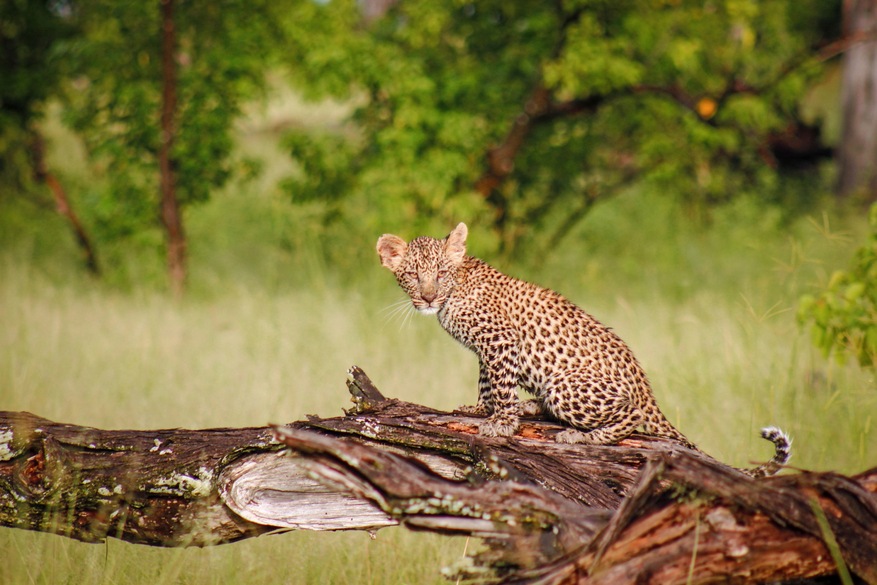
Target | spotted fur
(579,371)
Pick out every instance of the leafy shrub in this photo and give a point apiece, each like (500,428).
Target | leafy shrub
(844,317)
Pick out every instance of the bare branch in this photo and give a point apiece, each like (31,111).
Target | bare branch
(62,202)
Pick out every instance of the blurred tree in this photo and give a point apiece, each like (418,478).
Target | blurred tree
(156,88)
(858,147)
(522,114)
(31,70)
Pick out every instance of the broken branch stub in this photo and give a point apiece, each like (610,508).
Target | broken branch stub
(363,393)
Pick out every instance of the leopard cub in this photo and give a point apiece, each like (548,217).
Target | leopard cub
(579,371)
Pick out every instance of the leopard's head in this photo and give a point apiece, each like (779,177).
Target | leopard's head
(426,268)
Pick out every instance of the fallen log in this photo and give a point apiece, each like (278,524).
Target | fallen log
(646,510)
(200,487)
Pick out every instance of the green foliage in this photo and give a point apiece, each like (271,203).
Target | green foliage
(115,98)
(16,172)
(31,68)
(843,318)
(326,161)
(686,94)
(683,95)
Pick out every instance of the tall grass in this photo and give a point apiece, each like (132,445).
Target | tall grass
(85,355)
(269,330)
(314,558)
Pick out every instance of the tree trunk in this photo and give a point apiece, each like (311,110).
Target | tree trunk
(858,147)
(41,170)
(170,208)
(645,511)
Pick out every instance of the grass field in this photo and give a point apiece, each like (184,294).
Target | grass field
(269,331)
(723,363)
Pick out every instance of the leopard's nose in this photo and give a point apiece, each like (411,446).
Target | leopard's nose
(428,296)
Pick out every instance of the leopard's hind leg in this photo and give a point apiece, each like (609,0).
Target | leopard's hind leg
(600,411)
(616,426)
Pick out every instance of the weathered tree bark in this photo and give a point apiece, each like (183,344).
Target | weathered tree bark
(170,208)
(857,153)
(149,487)
(728,527)
(646,511)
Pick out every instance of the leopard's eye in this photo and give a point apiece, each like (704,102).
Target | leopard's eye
(442,273)
(411,275)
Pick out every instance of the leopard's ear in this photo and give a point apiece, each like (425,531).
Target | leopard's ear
(391,250)
(455,243)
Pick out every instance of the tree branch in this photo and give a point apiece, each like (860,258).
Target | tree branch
(62,202)
(644,511)
(501,159)
(540,108)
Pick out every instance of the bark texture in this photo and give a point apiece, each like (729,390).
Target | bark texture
(857,154)
(644,511)
(171,215)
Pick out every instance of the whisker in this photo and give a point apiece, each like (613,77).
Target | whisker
(401,317)
(396,309)
(408,317)
(398,303)
(396,312)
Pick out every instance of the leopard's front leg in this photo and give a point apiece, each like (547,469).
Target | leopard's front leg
(484,406)
(500,358)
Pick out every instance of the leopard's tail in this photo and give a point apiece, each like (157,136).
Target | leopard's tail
(782,442)
(782,453)
(663,428)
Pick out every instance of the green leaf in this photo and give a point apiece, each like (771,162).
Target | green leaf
(854,291)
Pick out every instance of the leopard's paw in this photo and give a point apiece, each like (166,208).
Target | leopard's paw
(477,410)
(572,436)
(499,426)
(532,408)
